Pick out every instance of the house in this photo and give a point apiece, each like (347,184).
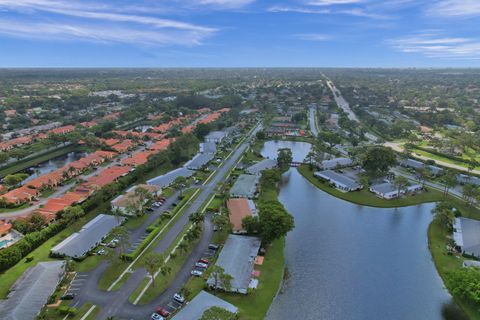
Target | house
(208,147)
(240,208)
(122,202)
(237,259)
(466,179)
(160,145)
(387,190)
(336,163)
(32,290)
(123,146)
(167,179)
(258,167)
(466,236)
(340,181)
(137,159)
(62,130)
(245,186)
(199,161)
(80,243)
(8,235)
(201,303)
(20,195)
(108,176)
(215,136)
(417,165)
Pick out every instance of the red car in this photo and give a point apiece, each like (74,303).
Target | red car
(163,312)
(203,261)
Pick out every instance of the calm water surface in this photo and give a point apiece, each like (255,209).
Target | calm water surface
(54,164)
(347,261)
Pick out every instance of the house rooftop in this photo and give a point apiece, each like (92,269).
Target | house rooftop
(245,186)
(201,303)
(258,167)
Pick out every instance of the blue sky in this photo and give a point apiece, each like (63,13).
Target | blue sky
(240,33)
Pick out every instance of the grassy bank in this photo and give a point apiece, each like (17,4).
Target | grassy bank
(366,198)
(445,263)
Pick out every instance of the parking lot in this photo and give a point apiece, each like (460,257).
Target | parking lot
(77,283)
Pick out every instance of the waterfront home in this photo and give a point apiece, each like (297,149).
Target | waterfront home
(80,243)
(387,190)
(340,181)
(201,303)
(336,163)
(237,259)
(238,209)
(466,235)
(245,186)
(32,290)
(258,167)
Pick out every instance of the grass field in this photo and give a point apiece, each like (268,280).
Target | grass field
(366,198)
(437,236)
(444,159)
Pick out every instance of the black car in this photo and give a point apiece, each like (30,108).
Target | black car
(212,246)
(68,296)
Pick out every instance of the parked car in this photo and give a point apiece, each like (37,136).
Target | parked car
(203,260)
(196,273)
(68,296)
(149,209)
(156,205)
(156,316)
(162,311)
(213,246)
(101,252)
(179,298)
(201,265)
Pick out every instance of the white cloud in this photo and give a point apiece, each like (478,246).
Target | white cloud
(298,10)
(99,22)
(455,8)
(332,2)
(225,4)
(434,45)
(313,36)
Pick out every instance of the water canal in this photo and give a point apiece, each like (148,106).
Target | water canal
(347,261)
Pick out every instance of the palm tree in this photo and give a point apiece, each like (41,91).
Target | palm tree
(400,182)
(449,181)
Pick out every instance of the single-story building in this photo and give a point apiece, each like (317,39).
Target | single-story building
(199,161)
(215,136)
(122,202)
(245,186)
(167,179)
(201,303)
(466,179)
(240,208)
(466,234)
(258,167)
(31,291)
(208,147)
(90,236)
(340,181)
(336,163)
(237,259)
(417,165)
(388,190)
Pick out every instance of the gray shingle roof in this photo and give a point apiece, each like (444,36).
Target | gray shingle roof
(468,235)
(338,178)
(245,186)
(168,178)
(31,291)
(237,259)
(466,179)
(262,165)
(199,161)
(79,243)
(201,303)
(208,147)
(333,163)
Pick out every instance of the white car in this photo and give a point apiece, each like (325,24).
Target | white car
(179,298)
(196,273)
(201,265)
(156,316)
(101,252)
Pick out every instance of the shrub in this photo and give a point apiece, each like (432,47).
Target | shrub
(29,259)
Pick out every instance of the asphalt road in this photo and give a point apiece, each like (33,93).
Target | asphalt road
(313,123)
(116,302)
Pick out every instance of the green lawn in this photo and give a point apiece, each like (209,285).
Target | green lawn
(437,236)
(23,206)
(216,203)
(255,305)
(366,198)
(443,159)
(8,277)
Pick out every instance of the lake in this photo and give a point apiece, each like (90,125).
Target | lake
(347,261)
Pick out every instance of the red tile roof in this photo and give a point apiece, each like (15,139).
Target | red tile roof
(62,130)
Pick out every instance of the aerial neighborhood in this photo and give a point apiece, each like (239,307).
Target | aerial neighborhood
(194,199)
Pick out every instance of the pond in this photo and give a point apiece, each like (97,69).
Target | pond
(347,261)
(299,149)
(53,164)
